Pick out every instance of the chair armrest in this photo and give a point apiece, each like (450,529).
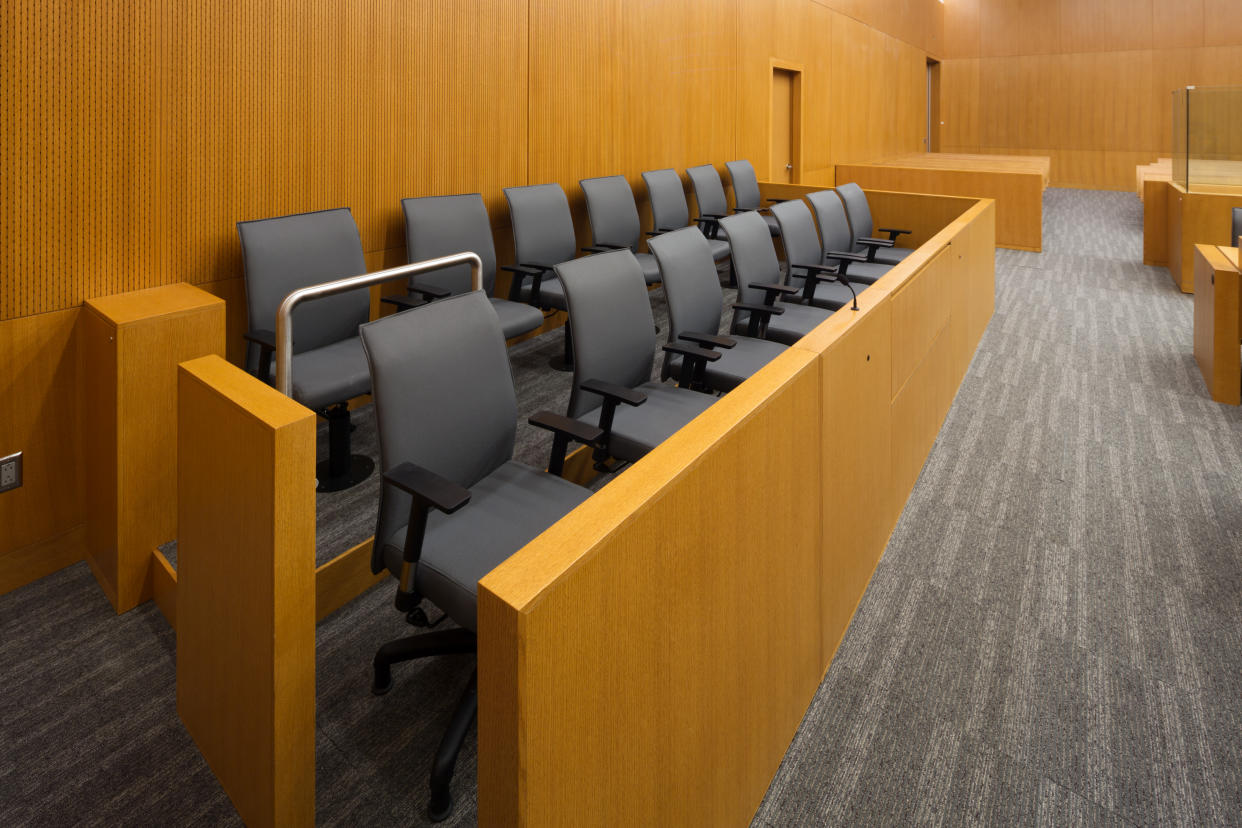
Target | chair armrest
(760,316)
(521,271)
(869,241)
(770,310)
(571,428)
(819,272)
(602,248)
(658,231)
(893,232)
(429,487)
(710,340)
(691,351)
(431,292)
(563,430)
(772,291)
(842,256)
(611,391)
(714,216)
(404,302)
(777,200)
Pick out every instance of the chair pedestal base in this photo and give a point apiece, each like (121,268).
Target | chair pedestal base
(359,469)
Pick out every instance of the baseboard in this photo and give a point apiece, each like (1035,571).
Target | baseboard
(30,563)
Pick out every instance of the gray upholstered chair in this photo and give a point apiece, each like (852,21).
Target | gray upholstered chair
(671,211)
(837,243)
(746,192)
(695,307)
(454,503)
(443,225)
(859,212)
(806,268)
(543,237)
(614,220)
(614,333)
(760,282)
(284,254)
(1237,227)
(710,196)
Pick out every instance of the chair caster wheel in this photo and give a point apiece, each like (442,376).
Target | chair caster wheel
(417,618)
(382,682)
(440,807)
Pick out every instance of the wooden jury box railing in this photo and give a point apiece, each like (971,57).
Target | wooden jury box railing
(648,658)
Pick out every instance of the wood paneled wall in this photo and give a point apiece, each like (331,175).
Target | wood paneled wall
(136,134)
(1087,83)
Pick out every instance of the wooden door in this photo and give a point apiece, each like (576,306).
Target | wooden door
(932,141)
(784,130)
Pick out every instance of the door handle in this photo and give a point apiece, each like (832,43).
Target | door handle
(789,166)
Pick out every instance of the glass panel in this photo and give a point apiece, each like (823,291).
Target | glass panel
(1214,139)
(1180,168)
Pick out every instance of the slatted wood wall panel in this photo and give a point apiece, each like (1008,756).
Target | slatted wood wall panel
(1088,84)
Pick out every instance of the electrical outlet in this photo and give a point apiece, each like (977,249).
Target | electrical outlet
(10,472)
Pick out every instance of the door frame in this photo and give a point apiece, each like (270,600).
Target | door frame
(795,113)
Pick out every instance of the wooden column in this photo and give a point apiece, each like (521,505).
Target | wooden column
(130,346)
(246,589)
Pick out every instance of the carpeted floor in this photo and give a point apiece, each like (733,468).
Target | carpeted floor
(1052,637)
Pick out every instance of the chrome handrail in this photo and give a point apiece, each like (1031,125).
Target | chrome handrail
(284,315)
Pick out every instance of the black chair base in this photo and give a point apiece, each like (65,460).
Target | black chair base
(359,469)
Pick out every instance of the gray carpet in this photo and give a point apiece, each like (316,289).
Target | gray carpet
(1052,637)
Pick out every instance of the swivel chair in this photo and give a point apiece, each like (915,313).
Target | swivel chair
(695,308)
(614,333)
(838,244)
(859,212)
(671,211)
(746,192)
(807,269)
(614,220)
(284,254)
(454,503)
(442,225)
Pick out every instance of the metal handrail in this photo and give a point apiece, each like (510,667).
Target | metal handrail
(284,315)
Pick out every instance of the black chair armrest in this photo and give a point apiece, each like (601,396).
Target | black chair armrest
(710,340)
(521,271)
(770,310)
(842,256)
(431,292)
(602,248)
(869,241)
(816,273)
(611,391)
(405,302)
(713,216)
(266,340)
(773,291)
(893,232)
(778,200)
(692,351)
(425,485)
(563,430)
(760,316)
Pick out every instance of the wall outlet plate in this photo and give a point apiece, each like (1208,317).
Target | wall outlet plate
(10,472)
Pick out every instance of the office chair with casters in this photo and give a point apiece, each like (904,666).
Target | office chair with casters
(710,196)
(671,211)
(837,243)
(615,335)
(442,225)
(614,220)
(695,308)
(760,282)
(746,192)
(807,269)
(454,503)
(1237,228)
(859,212)
(281,255)
(543,237)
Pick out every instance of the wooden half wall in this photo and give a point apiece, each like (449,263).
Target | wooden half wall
(648,658)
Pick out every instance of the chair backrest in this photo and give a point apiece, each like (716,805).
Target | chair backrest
(284,254)
(834,226)
(691,283)
(798,232)
(543,229)
(856,209)
(443,225)
(754,257)
(1237,227)
(708,191)
(612,326)
(669,210)
(612,211)
(745,184)
(443,395)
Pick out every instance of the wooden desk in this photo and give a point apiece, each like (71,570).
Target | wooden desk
(1015,182)
(1217,317)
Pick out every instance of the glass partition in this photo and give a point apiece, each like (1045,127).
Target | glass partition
(1207,138)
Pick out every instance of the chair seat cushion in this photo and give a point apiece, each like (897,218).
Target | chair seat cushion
(651,268)
(719,248)
(796,322)
(331,374)
(892,255)
(636,430)
(865,272)
(507,510)
(551,292)
(831,295)
(516,318)
(736,364)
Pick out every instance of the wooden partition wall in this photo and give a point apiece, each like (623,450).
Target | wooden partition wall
(1089,84)
(648,658)
(137,134)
